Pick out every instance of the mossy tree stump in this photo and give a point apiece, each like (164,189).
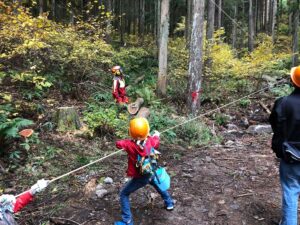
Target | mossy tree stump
(67,119)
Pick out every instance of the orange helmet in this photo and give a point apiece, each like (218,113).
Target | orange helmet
(295,76)
(117,70)
(139,128)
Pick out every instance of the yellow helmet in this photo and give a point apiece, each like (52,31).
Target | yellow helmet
(117,70)
(295,76)
(139,128)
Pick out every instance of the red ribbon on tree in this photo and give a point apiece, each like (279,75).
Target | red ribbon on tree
(195,95)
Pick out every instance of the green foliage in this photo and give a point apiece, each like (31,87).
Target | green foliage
(282,90)
(103,120)
(221,119)
(10,127)
(194,133)
(42,49)
(245,103)
(148,95)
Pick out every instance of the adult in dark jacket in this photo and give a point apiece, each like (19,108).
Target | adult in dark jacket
(285,122)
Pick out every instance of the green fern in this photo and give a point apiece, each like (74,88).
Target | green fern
(10,128)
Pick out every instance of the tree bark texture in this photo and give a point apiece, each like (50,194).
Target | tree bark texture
(210,20)
(219,24)
(196,54)
(53,10)
(142,19)
(163,49)
(274,14)
(250,27)
(188,24)
(234,25)
(67,119)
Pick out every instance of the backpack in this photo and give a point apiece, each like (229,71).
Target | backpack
(148,165)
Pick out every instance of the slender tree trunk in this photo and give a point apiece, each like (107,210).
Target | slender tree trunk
(195,62)
(250,28)
(134,18)
(210,20)
(256,18)
(234,25)
(158,22)
(274,14)
(295,34)
(53,10)
(266,15)
(188,23)
(108,21)
(121,2)
(142,19)
(210,32)
(163,49)
(220,14)
(41,7)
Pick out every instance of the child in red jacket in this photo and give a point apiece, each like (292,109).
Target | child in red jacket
(119,90)
(138,146)
(9,204)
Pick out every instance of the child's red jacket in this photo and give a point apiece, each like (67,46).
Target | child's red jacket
(133,150)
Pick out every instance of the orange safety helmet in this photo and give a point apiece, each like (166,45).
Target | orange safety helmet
(295,76)
(117,70)
(139,128)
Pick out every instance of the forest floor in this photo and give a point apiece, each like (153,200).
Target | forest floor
(235,182)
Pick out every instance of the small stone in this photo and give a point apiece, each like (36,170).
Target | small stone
(260,129)
(101,193)
(222,202)
(208,159)
(229,143)
(108,180)
(234,206)
(232,127)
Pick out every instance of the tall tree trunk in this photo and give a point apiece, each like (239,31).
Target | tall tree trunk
(121,28)
(210,20)
(53,11)
(195,62)
(295,34)
(163,49)
(256,17)
(266,15)
(219,25)
(158,22)
(41,7)
(188,22)
(108,21)
(250,27)
(210,32)
(274,14)
(234,24)
(142,19)
(134,18)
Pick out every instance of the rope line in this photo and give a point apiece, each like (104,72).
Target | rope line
(180,124)
(221,107)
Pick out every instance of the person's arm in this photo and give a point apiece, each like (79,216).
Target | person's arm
(156,140)
(273,119)
(27,197)
(22,201)
(123,144)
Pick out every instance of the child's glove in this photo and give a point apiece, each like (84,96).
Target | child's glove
(7,202)
(39,186)
(156,133)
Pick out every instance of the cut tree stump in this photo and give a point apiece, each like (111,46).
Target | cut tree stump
(134,107)
(67,119)
(144,112)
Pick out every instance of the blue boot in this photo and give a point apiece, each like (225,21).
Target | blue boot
(123,223)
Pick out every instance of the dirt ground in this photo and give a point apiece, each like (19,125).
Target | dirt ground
(233,183)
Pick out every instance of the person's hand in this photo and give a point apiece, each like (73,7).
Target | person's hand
(156,133)
(7,199)
(39,186)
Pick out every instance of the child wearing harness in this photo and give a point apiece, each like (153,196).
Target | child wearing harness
(9,204)
(139,147)
(119,90)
